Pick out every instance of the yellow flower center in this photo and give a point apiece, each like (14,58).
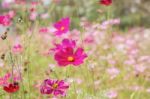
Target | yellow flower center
(62,28)
(55,86)
(70,59)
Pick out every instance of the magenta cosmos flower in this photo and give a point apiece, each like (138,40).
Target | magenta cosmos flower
(64,44)
(62,26)
(17,49)
(106,2)
(5,20)
(55,87)
(70,56)
(68,53)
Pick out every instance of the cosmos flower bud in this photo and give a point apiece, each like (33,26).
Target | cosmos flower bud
(106,2)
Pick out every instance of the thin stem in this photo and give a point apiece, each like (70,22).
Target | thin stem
(93,82)
(11,61)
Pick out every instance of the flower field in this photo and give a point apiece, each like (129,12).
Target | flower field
(65,49)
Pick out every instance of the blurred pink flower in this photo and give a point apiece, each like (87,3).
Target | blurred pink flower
(136,88)
(44,30)
(112,62)
(11,14)
(5,20)
(74,34)
(55,87)
(33,16)
(34,3)
(1,63)
(57,1)
(33,6)
(4,81)
(6,3)
(144,58)
(11,87)
(79,81)
(65,44)
(111,94)
(89,39)
(20,1)
(17,49)
(108,23)
(148,90)
(105,2)
(130,61)
(118,38)
(62,26)
(51,66)
(44,16)
(113,72)
(140,68)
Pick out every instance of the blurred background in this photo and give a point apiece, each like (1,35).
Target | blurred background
(133,13)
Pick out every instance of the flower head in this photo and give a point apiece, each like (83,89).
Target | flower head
(44,30)
(106,2)
(112,94)
(64,44)
(68,53)
(113,72)
(55,87)
(12,87)
(17,49)
(7,86)
(5,20)
(20,1)
(4,81)
(70,56)
(62,26)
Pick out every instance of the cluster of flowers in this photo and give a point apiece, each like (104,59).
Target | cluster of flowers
(8,86)
(66,53)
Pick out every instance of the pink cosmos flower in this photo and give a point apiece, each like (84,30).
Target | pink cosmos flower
(112,94)
(44,30)
(55,87)
(89,39)
(1,63)
(20,1)
(17,49)
(7,86)
(68,53)
(70,56)
(105,2)
(4,81)
(6,3)
(62,26)
(11,13)
(148,90)
(64,44)
(57,1)
(140,68)
(105,25)
(12,87)
(113,72)
(33,16)
(5,20)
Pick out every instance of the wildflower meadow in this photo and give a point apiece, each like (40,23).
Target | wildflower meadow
(74,49)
